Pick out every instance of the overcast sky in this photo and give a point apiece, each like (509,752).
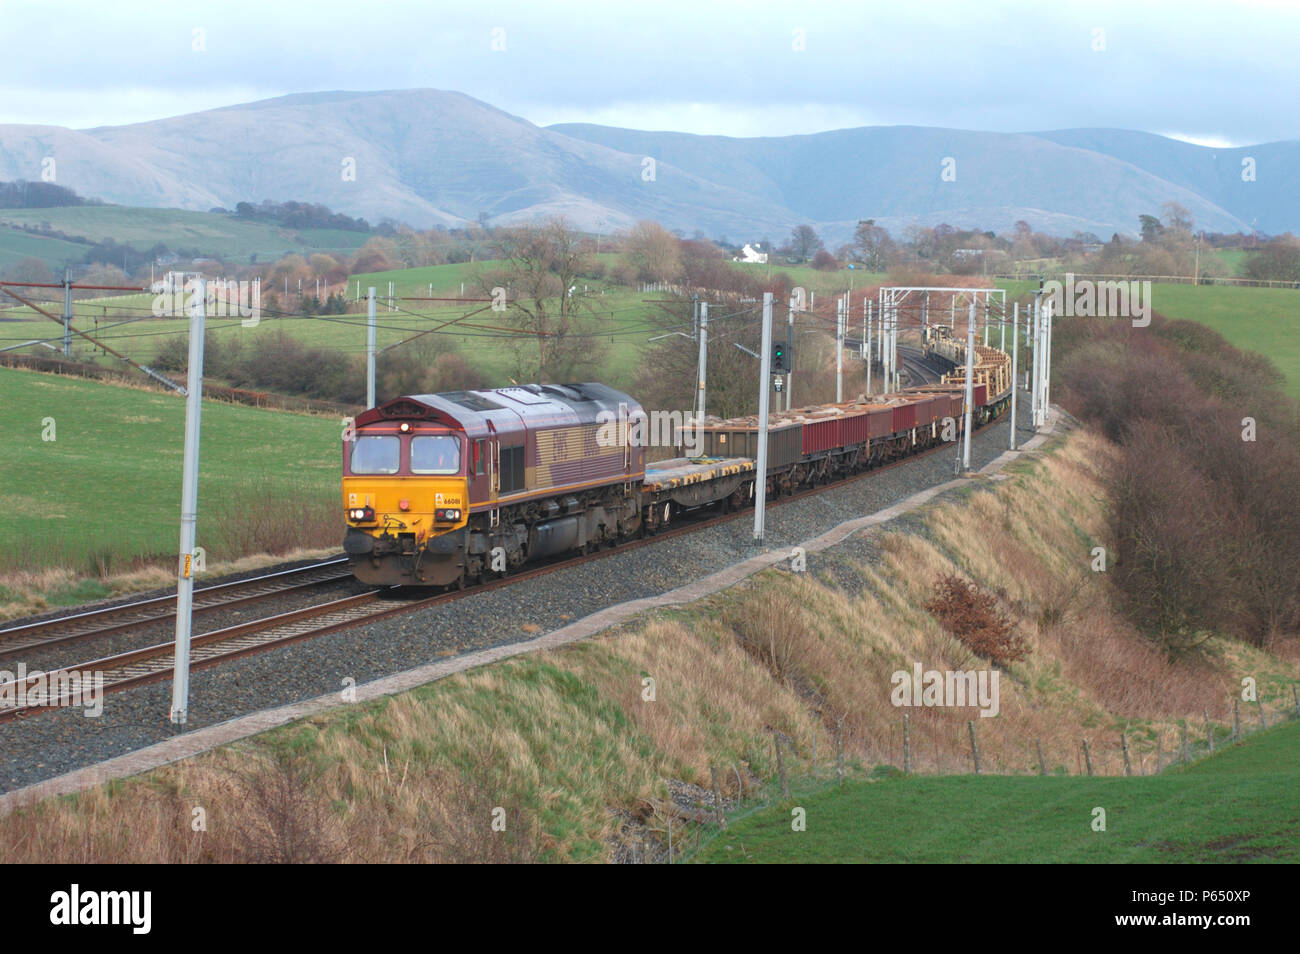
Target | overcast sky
(1212,71)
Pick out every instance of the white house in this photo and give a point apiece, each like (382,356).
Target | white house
(752,255)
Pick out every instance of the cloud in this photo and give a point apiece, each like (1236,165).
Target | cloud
(737,68)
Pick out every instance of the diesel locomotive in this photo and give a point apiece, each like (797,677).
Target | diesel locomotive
(447,489)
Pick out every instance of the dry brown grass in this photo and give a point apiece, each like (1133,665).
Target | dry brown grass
(570,748)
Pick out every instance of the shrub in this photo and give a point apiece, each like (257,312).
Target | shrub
(1204,522)
(824,261)
(973,617)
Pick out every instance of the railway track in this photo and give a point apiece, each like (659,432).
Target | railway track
(915,370)
(108,620)
(154,663)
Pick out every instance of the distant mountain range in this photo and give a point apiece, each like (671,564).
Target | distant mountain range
(430,157)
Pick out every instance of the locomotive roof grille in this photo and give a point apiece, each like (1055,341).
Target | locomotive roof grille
(474,402)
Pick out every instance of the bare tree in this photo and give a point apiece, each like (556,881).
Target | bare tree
(655,251)
(540,273)
(1176,218)
(804,242)
(873,247)
(29,269)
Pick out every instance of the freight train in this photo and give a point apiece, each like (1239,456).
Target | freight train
(449,489)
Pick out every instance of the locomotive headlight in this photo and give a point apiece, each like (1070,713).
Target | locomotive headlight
(452,515)
(361,514)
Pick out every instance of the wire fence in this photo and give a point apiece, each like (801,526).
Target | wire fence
(216,392)
(695,815)
(1029,275)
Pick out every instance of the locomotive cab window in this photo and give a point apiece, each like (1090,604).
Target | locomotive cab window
(377,454)
(480,452)
(435,454)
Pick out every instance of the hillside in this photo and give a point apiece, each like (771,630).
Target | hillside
(1268,201)
(425,157)
(892,174)
(210,234)
(431,157)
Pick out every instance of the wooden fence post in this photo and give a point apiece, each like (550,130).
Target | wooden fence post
(740,785)
(717,797)
(974,746)
(907,746)
(1209,731)
(1042,762)
(1295,696)
(780,765)
(1183,755)
(1236,719)
(839,748)
(1087,756)
(1123,741)
(1160,751)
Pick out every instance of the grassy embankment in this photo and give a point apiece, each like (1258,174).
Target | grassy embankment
(566,743)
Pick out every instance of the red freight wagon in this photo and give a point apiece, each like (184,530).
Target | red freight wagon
(880,420)
(821,434)
(980,395)
(853,427)
(904,417)
(927,409)
(947,404)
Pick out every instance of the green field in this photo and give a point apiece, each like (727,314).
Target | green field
(1232,259)
(221,236)
(1242,805)
(16,245)
(481,338)
(822,283)
(108,486)
(1264,320)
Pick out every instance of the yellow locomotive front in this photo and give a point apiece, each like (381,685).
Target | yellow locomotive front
(405,496)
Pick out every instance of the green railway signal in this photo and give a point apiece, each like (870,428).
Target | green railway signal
(779,359)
